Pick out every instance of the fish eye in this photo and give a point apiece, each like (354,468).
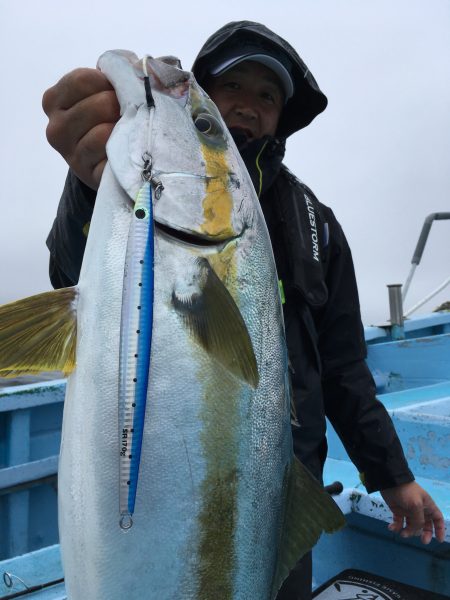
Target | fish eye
(208,125)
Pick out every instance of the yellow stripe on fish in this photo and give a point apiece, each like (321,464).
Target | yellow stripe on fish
(218,202)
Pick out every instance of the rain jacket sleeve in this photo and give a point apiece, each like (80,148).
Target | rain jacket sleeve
(67,238)
(360,420)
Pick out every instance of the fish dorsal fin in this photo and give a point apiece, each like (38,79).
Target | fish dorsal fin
(38,334)
(309,511)
(211,315)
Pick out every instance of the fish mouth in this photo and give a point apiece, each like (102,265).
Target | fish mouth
(191,238)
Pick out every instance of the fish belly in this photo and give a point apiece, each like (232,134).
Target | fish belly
(215,451)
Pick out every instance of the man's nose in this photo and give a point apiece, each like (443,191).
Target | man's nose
(246,111)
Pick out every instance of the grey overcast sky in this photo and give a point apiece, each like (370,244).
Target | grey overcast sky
(379,155)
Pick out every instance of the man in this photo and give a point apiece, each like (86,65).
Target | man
(265,93)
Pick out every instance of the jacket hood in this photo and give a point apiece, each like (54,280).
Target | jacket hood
(307,101)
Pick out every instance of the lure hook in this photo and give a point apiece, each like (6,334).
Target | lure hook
(147,170)
(147,175)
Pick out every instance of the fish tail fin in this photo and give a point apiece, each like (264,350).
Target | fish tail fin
(38,334)
(309,511)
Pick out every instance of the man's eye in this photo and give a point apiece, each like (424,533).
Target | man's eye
(232,85)
(269,97)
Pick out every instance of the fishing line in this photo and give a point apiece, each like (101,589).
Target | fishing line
(151,106)
(148,89)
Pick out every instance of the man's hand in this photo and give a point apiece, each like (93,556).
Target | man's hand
(82,109)
(415,512)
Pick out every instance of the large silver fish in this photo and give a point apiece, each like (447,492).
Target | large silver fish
(219,507)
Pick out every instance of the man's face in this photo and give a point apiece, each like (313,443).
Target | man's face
(249,97)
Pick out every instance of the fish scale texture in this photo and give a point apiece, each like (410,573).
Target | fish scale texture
(215,451)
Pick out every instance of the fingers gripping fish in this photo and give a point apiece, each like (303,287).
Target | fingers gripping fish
(221,509)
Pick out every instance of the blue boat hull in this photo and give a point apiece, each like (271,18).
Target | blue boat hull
(413,381)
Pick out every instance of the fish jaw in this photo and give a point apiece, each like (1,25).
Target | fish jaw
(202,195)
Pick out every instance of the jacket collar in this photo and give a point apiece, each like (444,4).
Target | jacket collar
(262,157)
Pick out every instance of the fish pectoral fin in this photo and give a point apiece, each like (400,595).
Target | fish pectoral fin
(38,334)
(211,315)
(309,511)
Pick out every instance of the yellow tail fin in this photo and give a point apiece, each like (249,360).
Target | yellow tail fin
(309,511)
(38,334)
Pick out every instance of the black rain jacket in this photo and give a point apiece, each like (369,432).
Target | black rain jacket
(324,332)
